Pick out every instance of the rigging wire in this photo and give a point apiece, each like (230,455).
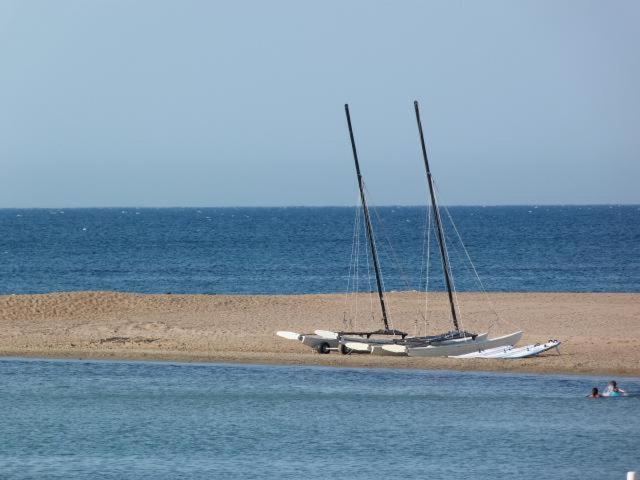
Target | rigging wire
(471,273)
(370,290)
(456,303)
(397,263)
(351,260)
(386,299)
(426,283)
(352,278)
(477,276)
(426,245)
(354,274)
(453,285)
(356,279)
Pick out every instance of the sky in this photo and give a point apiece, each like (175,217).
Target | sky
(204,103)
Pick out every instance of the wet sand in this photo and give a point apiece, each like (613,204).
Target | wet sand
(600,331)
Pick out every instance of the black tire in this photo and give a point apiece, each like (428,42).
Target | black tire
(322,348)
(344,350)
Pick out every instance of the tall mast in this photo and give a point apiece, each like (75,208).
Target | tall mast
(436,214)
(367,219)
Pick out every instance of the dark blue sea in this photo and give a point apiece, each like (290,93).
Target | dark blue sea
(121,420)
(310,250)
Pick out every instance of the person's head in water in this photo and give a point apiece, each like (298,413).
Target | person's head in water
(594,392)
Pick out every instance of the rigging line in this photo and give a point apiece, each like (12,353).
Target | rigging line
(426,230)
(482,288)
(367,271)
(422,256)
(468,269)
(356,285)
(369,285)
(455,290)
(384,290)
(452,299)
(403,275)
(351,259)
(426,283)
(394,255)
(373,238)
(456,304)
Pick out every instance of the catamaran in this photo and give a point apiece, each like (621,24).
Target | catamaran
(387,340)
(356,341)
(457,341)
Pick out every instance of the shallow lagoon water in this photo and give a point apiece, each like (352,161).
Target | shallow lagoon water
(143,420)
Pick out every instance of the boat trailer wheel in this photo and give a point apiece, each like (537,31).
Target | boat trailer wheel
(322,348)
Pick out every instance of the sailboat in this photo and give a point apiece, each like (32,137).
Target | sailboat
(387,340)
(362,341)
(454,342)
(356,341)
(457,341)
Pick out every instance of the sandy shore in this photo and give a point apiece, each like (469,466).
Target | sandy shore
(600,332)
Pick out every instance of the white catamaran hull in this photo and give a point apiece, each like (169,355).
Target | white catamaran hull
(320,343)
(314,341)
(398,349)
(367,346)
(380,350)
(462,347)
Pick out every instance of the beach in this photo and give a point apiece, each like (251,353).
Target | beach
(600,331)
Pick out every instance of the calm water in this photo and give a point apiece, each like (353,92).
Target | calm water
(305,250)
(76,419)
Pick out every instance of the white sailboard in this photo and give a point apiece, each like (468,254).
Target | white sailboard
(513,352)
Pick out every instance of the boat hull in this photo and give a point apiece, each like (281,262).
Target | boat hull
(382,350)
(400,349)
(463,347)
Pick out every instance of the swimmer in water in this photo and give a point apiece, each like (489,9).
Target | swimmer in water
(613,390)
(594,393)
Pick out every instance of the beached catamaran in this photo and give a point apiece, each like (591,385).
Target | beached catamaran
(389,341)
(324,341)
(355,341)
(454,342)
(457,341)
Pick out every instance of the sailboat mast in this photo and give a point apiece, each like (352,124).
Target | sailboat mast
(367,218)
(436,214)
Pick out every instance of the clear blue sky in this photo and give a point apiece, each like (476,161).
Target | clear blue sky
(203,103)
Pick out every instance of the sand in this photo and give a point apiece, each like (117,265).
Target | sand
(600,331)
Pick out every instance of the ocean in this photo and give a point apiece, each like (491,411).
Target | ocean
(310,250)
(143,420)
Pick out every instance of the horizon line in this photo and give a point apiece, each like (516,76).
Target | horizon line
(131,207)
